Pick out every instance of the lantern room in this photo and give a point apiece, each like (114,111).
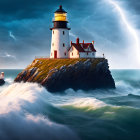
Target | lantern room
(60,19)
(60,14)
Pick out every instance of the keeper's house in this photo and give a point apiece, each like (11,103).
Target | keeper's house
(82,50)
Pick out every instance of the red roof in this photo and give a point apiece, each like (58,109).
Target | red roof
(92,47)
(82,46)
(85,45)
(78,47)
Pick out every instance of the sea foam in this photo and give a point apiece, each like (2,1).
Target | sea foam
(88,102)
(21,115)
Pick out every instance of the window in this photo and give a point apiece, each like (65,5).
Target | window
(63,32)
(63,44)
(53,32)
(87,53)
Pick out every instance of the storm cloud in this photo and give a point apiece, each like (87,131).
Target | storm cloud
(29,22)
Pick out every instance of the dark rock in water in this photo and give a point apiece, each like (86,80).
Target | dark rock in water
(2,82)
(61,74)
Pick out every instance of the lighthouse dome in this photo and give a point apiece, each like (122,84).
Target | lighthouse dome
(60,10)
(60,14)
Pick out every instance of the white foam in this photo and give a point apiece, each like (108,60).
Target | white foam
(9,80)
(16,94)
(123,88)
(21,105)
(88,102)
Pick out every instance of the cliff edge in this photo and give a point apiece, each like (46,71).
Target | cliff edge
(60,74)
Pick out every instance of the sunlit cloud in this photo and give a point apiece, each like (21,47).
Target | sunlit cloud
(7,55)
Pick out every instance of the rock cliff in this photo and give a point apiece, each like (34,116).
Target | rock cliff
(60,74)
(2,82)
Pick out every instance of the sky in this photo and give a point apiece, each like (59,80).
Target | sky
(114,25)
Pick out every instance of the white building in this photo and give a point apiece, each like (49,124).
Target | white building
(2,75)
(60,45)
(60,35)
(82,50)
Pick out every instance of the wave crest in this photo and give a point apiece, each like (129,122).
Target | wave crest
(21,115)
(90,103)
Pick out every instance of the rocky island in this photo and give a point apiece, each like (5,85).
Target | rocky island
(2,82)
(60,74)
(70,65)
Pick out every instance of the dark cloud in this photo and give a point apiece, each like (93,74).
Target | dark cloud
(29,21)
(21,9)
(133,5)
(26,9)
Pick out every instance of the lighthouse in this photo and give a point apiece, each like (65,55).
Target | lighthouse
(60,35)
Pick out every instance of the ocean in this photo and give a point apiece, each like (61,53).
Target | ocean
(28,111)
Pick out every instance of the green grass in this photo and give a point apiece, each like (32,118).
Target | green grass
(44,65)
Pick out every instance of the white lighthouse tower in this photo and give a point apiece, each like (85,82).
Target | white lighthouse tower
(60,35)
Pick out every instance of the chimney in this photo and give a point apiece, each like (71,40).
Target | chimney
(71,43)
(83,41)
(77,41)
(92,42)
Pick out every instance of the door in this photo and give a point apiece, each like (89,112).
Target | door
(55,54)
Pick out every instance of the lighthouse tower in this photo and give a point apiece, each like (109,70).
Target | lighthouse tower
(60,35)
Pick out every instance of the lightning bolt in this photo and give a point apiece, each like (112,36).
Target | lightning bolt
(130,28)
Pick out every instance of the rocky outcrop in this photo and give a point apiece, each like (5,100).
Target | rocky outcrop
(60,74)
(2,82)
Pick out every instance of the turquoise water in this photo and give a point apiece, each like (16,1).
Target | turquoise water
(28,111)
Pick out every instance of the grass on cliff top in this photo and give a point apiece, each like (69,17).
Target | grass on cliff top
(44,65)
